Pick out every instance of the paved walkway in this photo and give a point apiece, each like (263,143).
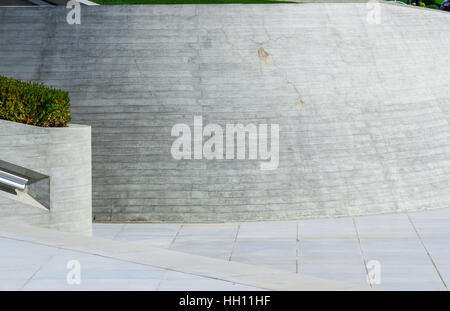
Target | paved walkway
(43,259)
(36,267)
(413,250)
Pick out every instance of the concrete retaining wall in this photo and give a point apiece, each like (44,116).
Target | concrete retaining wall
(62,154)
(363,108)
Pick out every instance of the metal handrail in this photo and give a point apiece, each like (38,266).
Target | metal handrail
(12,181)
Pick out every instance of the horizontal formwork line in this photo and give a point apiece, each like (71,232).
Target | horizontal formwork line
(368,151)
(214,211)
(235,195)
(316,205)
(295,143)
(111,192)
(370,160)
(83,112)
(374,117)
(308,137)
(230,205)
(309,183)
(324,129)
(142,194)
(257,208)
(218,197)
(196,187)
(100,130)
(309,155)
(432,116)
(101,135)
(213,182)
(292,159)
(225,174)
(186,111)
(228,173)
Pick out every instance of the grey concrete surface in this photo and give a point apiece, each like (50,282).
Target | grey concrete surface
(411,248)
(204,271)
(363,108)
(62,154)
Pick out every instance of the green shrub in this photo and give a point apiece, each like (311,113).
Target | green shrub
(432,2)
(433,6)
(33,103)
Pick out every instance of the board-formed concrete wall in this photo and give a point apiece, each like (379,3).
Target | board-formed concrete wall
(363,108)
(62,154)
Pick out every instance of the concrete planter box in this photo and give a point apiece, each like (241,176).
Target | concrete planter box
(57,163)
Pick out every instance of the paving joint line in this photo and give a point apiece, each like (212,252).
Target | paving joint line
(119,232)
(38,269)
(362,253)
(235,241)
(176,236)
(426,250)
(297,245)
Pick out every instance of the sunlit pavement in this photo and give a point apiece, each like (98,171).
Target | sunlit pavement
(397,251)
(411,251)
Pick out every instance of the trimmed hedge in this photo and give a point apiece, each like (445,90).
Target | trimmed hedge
(432,2)
(33,103)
